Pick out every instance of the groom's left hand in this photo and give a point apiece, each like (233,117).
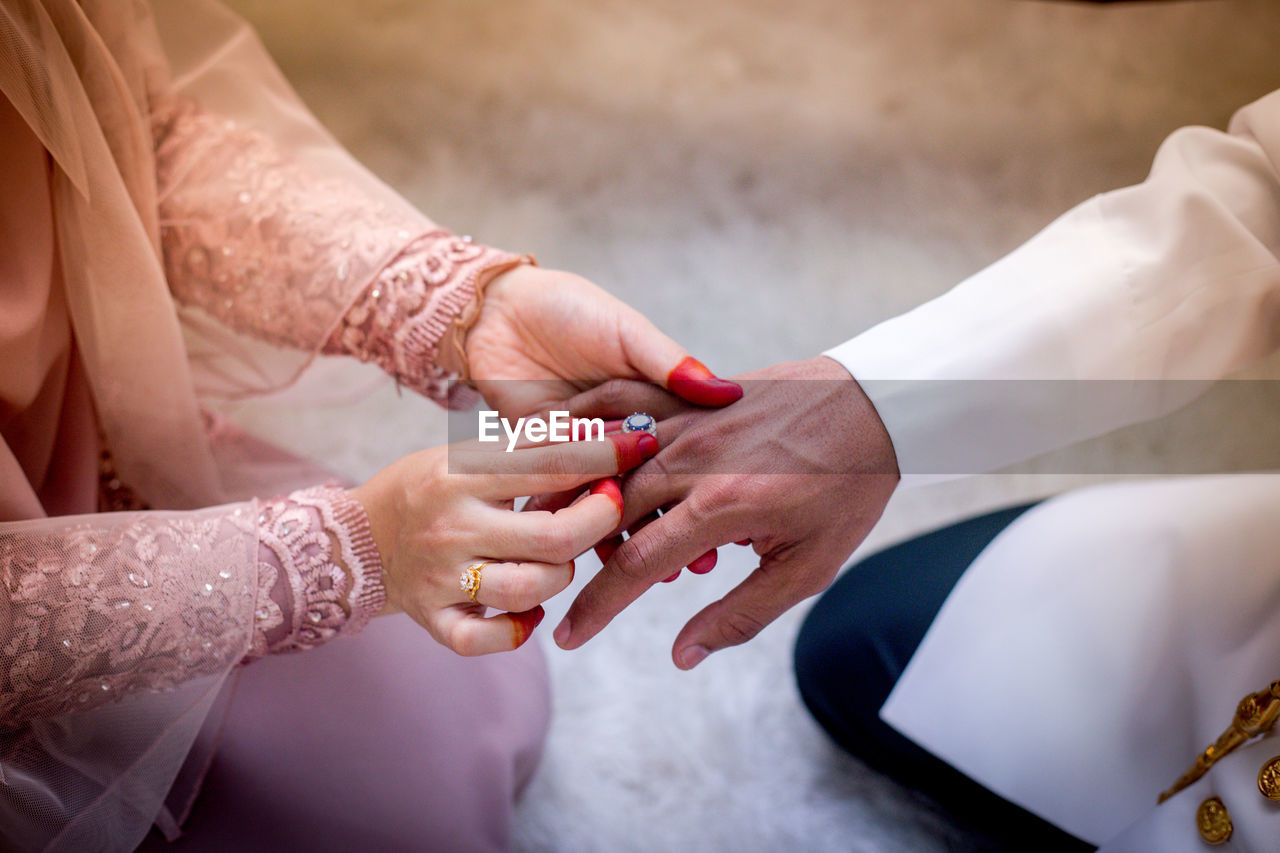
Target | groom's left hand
(802,467)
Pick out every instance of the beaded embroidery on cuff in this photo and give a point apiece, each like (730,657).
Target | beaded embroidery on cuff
(400,318)
(309,593)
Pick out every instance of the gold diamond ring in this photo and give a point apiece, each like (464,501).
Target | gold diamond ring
(470,579)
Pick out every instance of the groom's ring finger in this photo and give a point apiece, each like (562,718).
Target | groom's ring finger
(618,398)
(514,587)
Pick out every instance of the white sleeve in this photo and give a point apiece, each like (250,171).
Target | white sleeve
(1176,278)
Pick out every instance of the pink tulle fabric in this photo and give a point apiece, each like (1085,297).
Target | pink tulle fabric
(194,250)
(101,607)
(256,238)
(317,571)
(251,236)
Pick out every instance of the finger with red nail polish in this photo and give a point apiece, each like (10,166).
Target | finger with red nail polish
(694,382)
(705,563)
(551,502)
(522,625)
(633,448)
(611,488)
(604,550)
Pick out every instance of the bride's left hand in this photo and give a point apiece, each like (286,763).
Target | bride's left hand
(560,334)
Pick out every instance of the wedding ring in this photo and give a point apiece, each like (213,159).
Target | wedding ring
(470,579)
(640,422)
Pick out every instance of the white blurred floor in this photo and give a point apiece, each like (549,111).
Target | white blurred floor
(764,179)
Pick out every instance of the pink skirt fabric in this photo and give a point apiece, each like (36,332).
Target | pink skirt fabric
(383,741)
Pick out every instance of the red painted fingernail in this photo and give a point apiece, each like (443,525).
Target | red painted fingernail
(611,488)
(673,577)
(604,550)
(692,381)
(573,569)
(704,564)
(742,542)
(522,625)
(633,448)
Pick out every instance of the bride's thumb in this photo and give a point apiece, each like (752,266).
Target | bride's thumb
(666,363)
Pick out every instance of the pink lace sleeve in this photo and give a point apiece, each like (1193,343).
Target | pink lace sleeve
(270,247)
(319,573)
(257,239)
(97,607)
(400,318)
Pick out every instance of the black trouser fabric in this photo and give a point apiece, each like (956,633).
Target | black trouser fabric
(854,646)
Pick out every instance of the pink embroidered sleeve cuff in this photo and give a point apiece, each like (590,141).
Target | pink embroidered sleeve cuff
(319,573)
(399,320)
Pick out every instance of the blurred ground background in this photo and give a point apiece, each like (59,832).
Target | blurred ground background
(764,179)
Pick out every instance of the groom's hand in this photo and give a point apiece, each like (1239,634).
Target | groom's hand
(801,467)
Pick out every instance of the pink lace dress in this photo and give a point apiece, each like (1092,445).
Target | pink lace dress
(351,746)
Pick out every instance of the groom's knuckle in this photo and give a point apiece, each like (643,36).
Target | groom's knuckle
(712,495)
(635,560)
(612,393)
(694,442)
(648,478)
(706,442)
(738,626)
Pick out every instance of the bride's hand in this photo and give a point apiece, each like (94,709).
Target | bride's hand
(560,334)
(430,524)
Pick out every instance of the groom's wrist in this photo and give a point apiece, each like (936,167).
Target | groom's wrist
(867,431)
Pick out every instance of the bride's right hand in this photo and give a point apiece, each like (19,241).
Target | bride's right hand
(430,524)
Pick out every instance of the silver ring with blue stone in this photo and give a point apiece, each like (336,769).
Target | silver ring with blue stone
(640,422)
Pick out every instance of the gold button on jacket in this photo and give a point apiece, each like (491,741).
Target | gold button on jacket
(1269,779)
(1214,821)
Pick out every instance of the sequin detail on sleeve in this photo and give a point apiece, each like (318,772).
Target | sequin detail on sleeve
(97,607)
(255,237)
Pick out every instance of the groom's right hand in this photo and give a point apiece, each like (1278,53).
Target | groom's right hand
(802,467)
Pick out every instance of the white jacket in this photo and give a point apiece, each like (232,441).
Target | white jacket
(1099,644)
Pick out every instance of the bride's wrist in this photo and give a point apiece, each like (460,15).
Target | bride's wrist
(369,497)
(492,283)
